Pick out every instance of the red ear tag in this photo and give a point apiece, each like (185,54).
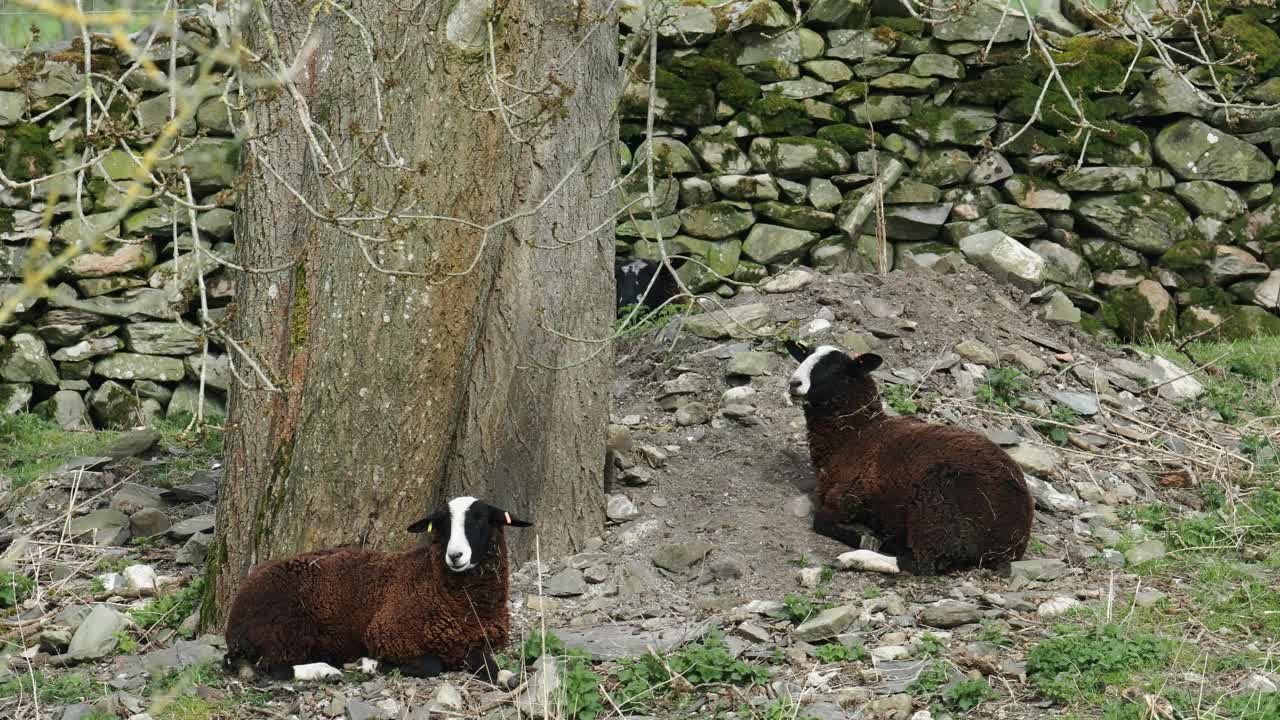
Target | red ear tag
(508,515)
(854,356)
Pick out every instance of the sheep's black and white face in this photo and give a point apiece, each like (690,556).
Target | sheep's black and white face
(825,371)
(465,528)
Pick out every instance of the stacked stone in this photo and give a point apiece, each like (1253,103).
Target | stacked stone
(112,345)
(770,134)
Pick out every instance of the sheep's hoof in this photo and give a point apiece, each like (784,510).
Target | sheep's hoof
(507,680)
(245,672)
(426,666)
(482,665)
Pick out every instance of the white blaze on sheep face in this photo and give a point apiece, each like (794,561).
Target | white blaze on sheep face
(458,553)
(802,378)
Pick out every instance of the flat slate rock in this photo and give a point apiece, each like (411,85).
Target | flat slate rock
(131,444)
(610,642)
(81,463)
(192,492)
(191,526)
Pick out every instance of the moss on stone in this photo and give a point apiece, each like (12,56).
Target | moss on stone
(6,220)
(999,85)
(849,137)
(851,92)
(702,72)
(905,25)
(1130,314)
(1271,254)
(1210,297)
(28,151)
(687,103)
(1244,34)
(1187,255)
(1093,64)
(778,114)
(1091,324)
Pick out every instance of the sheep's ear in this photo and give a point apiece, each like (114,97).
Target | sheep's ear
(424,525)
(498,516)
(798,351)
(865,362)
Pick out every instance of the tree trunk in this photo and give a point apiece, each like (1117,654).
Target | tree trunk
(402,391)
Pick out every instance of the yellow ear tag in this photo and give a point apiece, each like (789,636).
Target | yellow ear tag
(508,517)
(429,526)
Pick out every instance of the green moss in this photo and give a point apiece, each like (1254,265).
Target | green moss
(724,47)
(907,25)
(849,137)
(28,152)
(1130,314)
(300,316)
(1095,64)
(1211,297)
(6,220)
(1091,324)
(738,90)
(778,114)
(1271,254)
(1244,35)
(1187,255)
(631,132)
(688,103)
(999,85)
(850,92)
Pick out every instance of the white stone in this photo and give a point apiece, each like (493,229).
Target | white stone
(448,697)
(315,671)
(140,577)
(788,282)
(1005,258)
(1184,387)
(1057,606)
(889,653)
(868,561)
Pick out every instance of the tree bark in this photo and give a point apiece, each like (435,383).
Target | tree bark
(400,392)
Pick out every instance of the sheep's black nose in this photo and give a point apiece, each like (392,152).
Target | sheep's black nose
(455,555)
(795,385)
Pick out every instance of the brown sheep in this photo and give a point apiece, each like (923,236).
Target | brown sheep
(940,497)
(438,607)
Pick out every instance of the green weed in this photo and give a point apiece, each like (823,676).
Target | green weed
(648,679)
(899,397)
(930,680)
(14,588)
(1002,387)
(837,652)
(930,645)
(798,608)
(1056,433)
(63,689)
(170,609)
(966,695)
(1081,662)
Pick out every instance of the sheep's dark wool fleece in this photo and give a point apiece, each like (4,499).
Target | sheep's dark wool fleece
(939,497)
(632,283)
(405,609)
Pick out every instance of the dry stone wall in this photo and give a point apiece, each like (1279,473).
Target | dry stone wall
(113,342)
(1160,218)
(769,134)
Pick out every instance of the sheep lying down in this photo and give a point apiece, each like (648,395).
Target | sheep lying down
(438,607)
(940,497)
